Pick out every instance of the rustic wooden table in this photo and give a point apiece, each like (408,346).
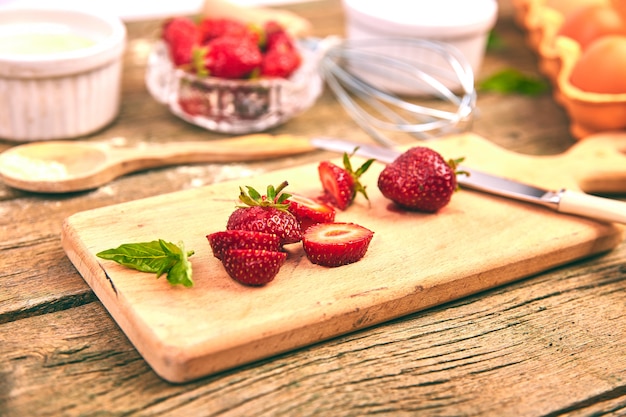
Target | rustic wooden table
(551,344)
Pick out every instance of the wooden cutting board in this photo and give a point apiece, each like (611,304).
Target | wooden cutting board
(415,260)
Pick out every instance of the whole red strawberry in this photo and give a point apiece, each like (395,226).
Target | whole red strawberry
(267,214)
(419,179)
(229,57)
(211,28)
(181,36)
(280,63)
(341,185)
(281,56)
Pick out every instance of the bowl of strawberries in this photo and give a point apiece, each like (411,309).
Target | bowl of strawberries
(231,77)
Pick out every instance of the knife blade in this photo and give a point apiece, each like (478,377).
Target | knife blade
(563,200)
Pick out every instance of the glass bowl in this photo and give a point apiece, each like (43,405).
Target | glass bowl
(233,106)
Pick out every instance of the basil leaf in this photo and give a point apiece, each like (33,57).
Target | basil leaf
(159,257)
(144,257)
(181,272)
(512,80)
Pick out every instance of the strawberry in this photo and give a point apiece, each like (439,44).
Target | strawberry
(310,212)
(267,214)
(253,266)
(341,185)
(419,179)
(280,63)
(193,98)
(193,105)
(211,28)
(181,36)
(229,57)
(242,239)
(336,244)
(281,56)
(227,48)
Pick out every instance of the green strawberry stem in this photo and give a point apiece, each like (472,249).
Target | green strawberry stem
(197,62)
(274,197)
(356,175)
(454,163)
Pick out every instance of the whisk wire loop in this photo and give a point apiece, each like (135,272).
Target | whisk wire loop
(363,75)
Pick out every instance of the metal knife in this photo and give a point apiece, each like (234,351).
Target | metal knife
(563,201)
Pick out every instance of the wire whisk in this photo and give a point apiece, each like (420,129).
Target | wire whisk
(380,83)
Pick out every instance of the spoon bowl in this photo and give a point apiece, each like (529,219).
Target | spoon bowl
(69,166)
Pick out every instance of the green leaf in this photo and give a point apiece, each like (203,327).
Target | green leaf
(197,61)
(495,42)
(270,193)
(158,257)
(511,80)
(181,272)
(282,198)
(274,197)
(144,257)
(347,164)
(363,168)
(253,193)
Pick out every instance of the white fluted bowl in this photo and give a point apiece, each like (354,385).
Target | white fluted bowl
(64,80)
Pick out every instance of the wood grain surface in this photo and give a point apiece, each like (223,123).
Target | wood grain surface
(553,344)
(414,262)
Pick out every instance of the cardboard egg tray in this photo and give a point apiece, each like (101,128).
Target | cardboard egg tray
(589,113)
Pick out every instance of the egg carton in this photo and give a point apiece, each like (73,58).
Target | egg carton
(589,113)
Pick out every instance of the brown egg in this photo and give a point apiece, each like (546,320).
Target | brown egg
(601,68)
(588,23)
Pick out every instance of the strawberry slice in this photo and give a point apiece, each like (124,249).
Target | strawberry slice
(341,185)
(336,244)
(242,239)
(253,267)
(309,212)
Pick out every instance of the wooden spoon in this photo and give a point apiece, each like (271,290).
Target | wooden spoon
(67,166)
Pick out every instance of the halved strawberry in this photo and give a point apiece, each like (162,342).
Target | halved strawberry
(336,244)
(242,239)
(253,266)
(341,185)
(309,212)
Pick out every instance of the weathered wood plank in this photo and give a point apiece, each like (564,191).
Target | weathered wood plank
(525,349)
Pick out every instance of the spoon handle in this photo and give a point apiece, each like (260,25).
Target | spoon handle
(239,149)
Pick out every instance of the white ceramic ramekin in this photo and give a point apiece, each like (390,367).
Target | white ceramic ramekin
(462,24)
(64,94)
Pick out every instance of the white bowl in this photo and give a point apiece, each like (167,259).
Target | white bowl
(462,24)
(65,81)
